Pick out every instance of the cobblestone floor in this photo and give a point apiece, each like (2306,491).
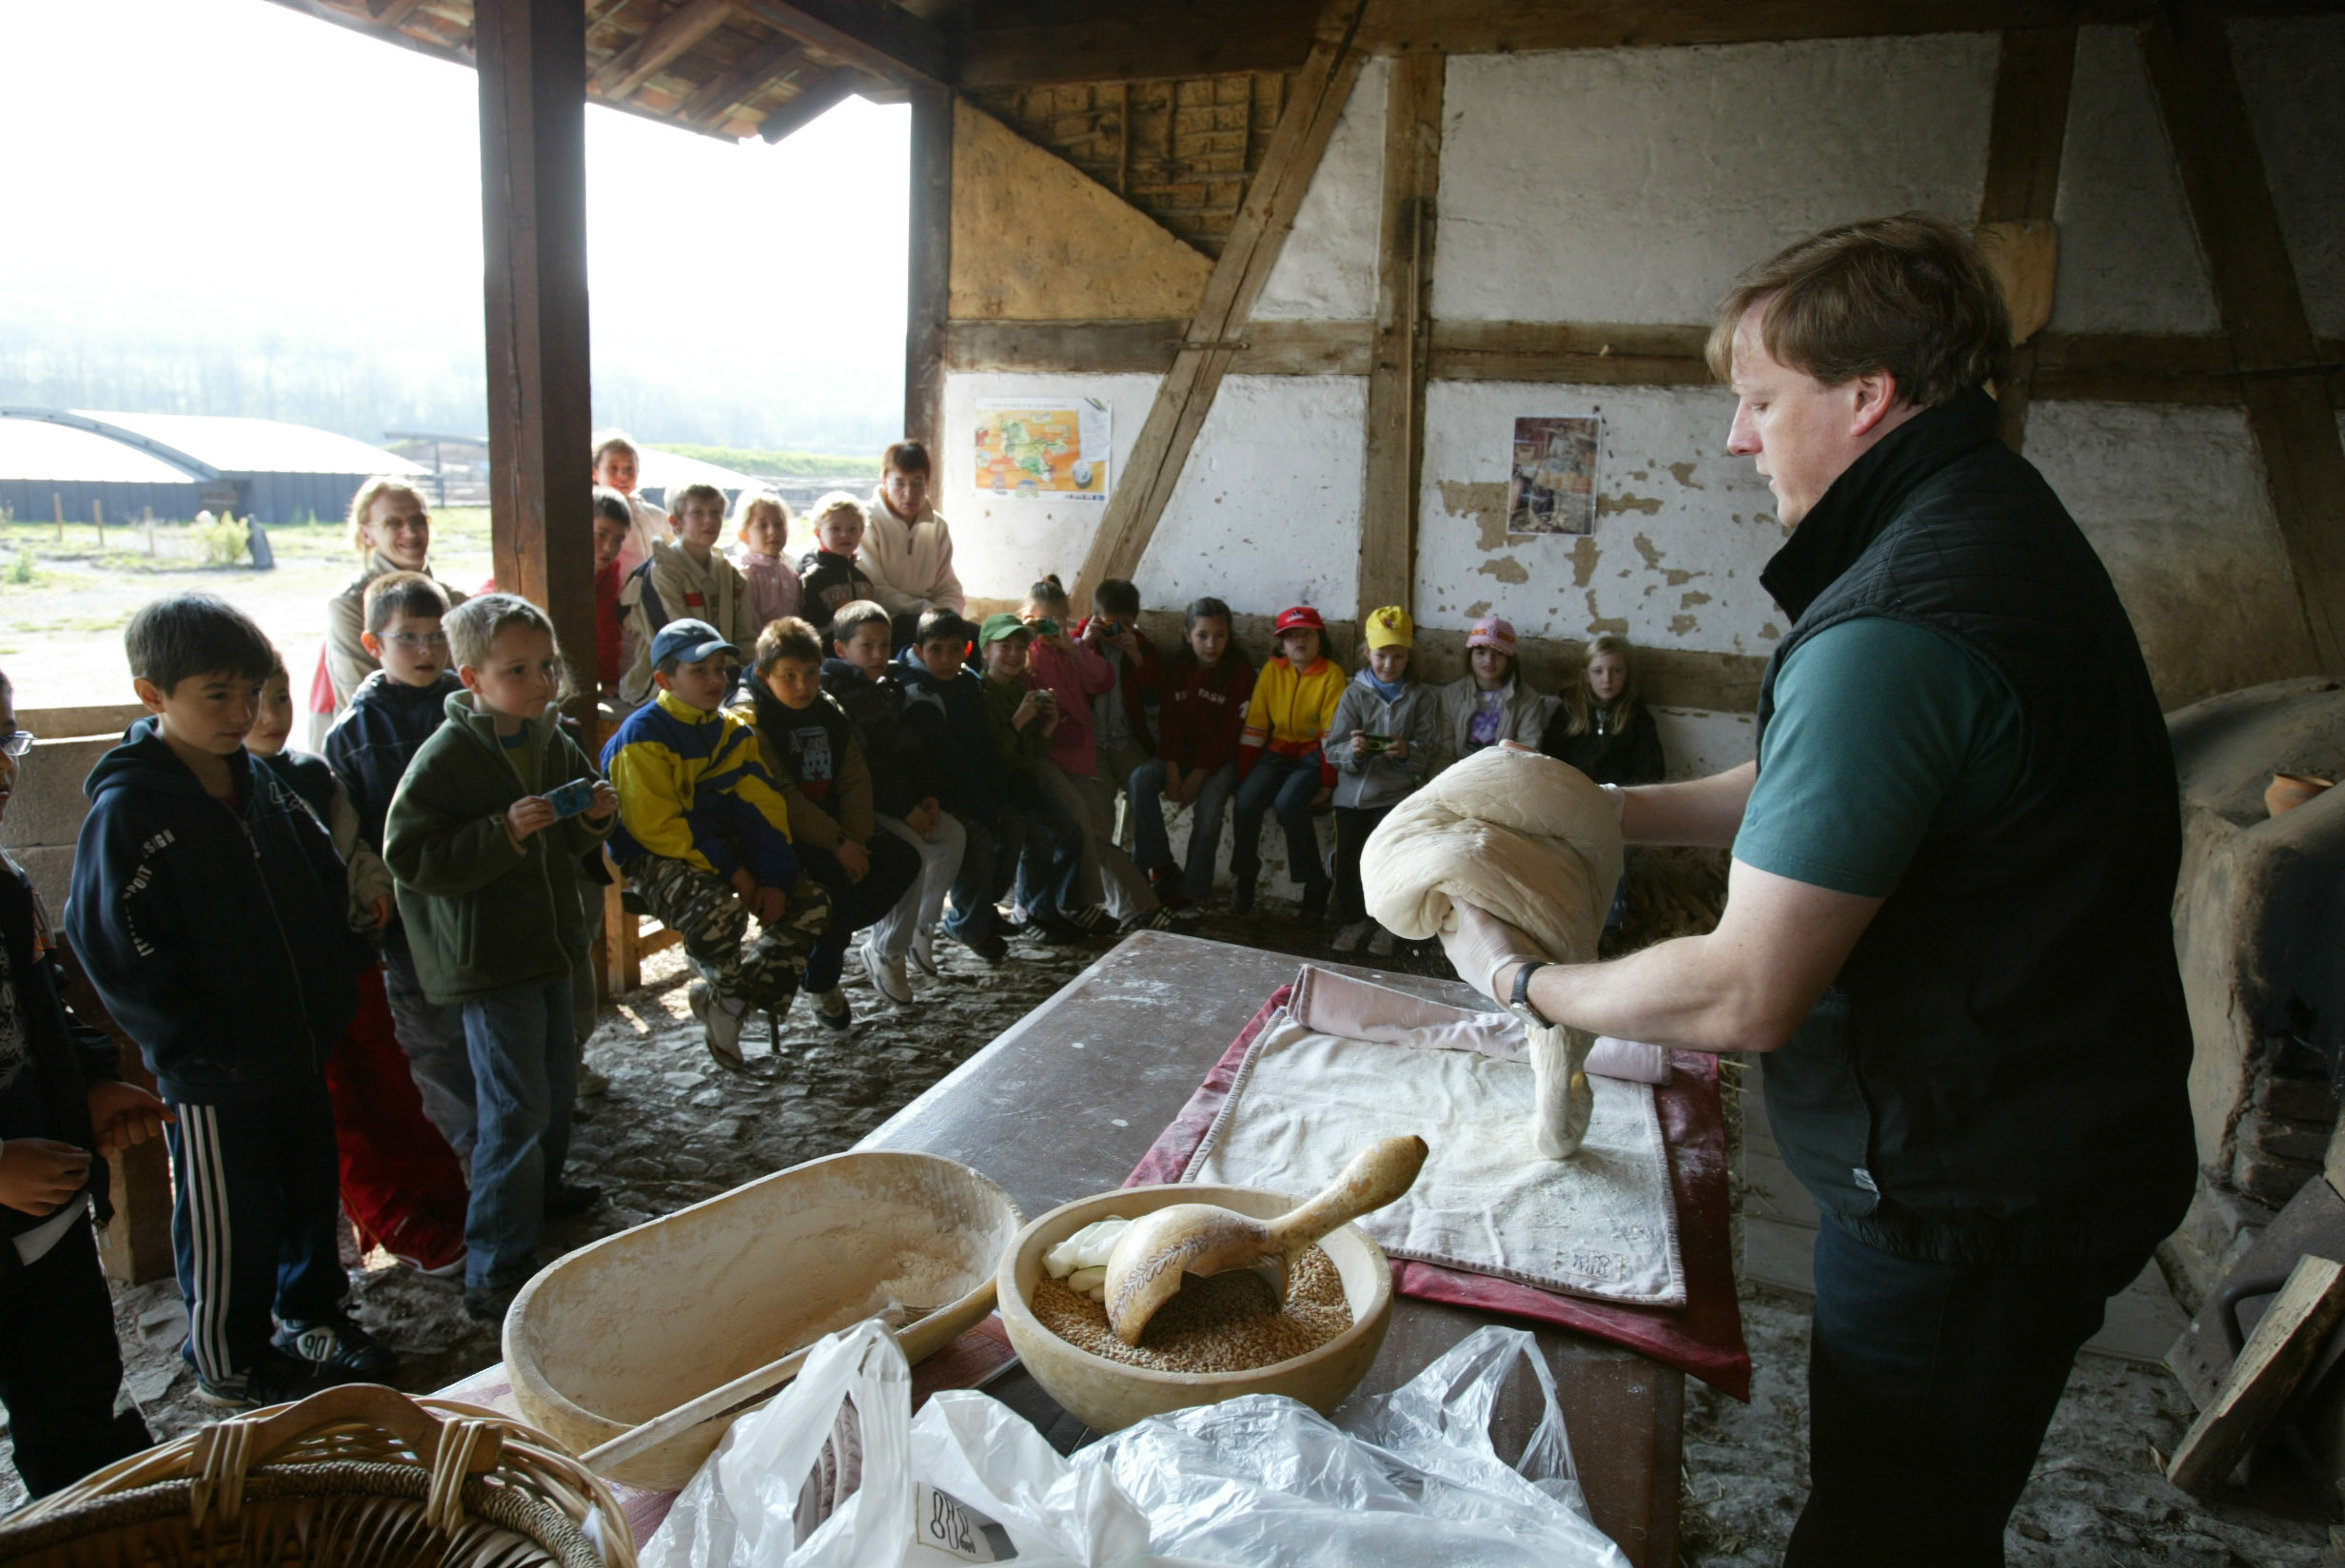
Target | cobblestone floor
(671,1128)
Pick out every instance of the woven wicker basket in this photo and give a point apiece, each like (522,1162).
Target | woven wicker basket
(360,1475)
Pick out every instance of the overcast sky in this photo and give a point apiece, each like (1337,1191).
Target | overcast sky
(189,174)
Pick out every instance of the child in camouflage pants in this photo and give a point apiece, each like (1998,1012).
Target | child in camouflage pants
(703,838)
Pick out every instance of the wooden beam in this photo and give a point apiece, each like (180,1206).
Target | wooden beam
(2274,1361)
(2188,53)
(1402,344)
(389,13)
(2030,122)
(1587,353)
(659,46)
(878,36)
(533,202)
(1010,49)
(359,21)
(817,96)
(1504,26)
(1150,345)
(928,273)
(1264,218)
(756,70)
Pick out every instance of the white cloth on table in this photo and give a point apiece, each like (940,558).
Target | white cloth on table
(1601,1225)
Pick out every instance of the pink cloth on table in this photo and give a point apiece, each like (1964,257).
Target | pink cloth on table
(1704,1337)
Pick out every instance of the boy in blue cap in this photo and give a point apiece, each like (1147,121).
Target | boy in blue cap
(704,837)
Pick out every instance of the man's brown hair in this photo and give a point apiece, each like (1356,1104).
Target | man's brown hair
(1908,295)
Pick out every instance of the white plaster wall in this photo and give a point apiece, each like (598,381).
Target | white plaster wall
(1682,529)
(1001,544)
(2129,259)
(1697,742)
(2293,70)
(1267,510)
(1327,270)
(2173,501)
(1633,184)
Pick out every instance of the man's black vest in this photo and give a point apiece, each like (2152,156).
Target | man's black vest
(1998,1072)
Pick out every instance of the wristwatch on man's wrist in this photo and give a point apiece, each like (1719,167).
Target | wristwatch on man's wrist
(1518,1002)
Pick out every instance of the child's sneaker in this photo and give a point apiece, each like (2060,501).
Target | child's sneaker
(1242,896)
(1314,904)
(451,1269)
(1089,920)
(722,1022)
(274,1379)
(335,1349)
(1166,881)
(489,1304)
(831,1007)
(564,1199)
(1155,920)
(992,949)
(924,954)
(1383,943)
(887,974)
(1350,938)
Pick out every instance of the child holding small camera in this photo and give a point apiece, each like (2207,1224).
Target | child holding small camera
(485,835)
(1382,739)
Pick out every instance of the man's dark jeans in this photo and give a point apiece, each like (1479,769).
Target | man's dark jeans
(1930,1385)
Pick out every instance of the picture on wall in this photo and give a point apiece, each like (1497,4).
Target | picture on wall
(1040,447)
(1551,486)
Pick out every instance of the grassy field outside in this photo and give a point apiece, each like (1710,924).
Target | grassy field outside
(767,460)
(62,604)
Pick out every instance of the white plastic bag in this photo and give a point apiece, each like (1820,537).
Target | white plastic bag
(742,1509)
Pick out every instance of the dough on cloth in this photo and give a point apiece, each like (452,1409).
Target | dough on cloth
(1531,841)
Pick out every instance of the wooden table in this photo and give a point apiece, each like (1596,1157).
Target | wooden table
(1066,1102)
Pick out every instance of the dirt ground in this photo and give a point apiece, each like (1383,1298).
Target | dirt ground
(672,1129)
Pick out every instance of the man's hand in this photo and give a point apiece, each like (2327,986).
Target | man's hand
(1482,946)
(39,1174)
(123,1114)
(530,814)
(768,903)
(606,802)
(856,858)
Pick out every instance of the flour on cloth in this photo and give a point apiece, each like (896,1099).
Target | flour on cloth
(1601,1225)
(1329,1002)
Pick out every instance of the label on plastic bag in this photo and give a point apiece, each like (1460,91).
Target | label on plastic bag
(947,1530)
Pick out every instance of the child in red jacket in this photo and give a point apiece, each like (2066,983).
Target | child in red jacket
(1207,683)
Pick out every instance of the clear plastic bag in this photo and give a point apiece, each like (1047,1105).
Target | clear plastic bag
(1411,1479)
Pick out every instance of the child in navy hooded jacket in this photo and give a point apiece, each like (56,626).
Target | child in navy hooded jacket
(212,914)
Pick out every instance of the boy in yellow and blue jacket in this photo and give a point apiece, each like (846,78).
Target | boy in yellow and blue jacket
(703,836)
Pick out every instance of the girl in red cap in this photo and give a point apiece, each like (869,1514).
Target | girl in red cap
(1282,763)
(1488,704)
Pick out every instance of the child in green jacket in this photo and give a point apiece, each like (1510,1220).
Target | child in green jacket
(483,838)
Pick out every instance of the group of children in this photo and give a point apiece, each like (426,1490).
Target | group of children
(357,978)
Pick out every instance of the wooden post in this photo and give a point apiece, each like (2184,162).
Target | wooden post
(56,502)
(97,515)
(532,57)
(928,277)
(1396,378)
(2032,79)
(2188,51)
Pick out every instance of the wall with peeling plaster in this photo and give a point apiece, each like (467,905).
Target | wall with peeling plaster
(1267,511)
(2129,259)
(1682,529)
(1000,544)
(1327,270)
(1633,184)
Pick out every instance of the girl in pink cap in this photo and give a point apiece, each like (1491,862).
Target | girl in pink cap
(1488,704)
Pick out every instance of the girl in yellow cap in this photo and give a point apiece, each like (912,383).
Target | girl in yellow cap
(1383,741)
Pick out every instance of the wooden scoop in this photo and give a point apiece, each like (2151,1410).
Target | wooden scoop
(1158,1249)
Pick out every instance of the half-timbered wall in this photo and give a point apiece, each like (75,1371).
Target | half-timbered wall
(1623,189)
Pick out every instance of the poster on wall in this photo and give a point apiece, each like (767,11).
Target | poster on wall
(1551,487)
(1044,448)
